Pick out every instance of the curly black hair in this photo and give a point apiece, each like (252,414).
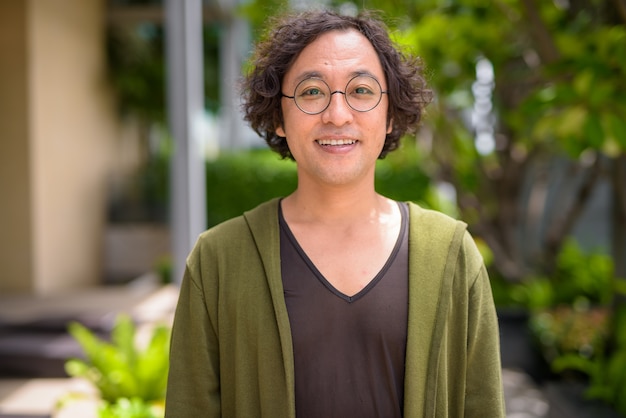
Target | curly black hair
(281,46)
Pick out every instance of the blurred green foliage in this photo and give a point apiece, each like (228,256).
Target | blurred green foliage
(558,73)
(136,68)
(130,408)
(597,354)
(239,181)
(129,380)
(579,277)
(565,332)
(143,196)
(575,322)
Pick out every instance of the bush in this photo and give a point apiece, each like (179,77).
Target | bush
(606,370)
(579,328)
(578,278)
(237,182)
(130,381)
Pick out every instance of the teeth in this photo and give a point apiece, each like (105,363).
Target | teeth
(336,141)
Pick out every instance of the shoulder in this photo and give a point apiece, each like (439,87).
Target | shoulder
(234,227)
(434,227)
(437,232)
(237,231)
(431,217)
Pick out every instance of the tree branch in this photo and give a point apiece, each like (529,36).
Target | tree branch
(562,227)
(620,5)
(544,44)
(488,229)
(619,215)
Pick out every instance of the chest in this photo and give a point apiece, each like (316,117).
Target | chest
(348,260)
(349,350)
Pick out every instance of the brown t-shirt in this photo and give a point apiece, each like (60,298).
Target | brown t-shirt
(349,352)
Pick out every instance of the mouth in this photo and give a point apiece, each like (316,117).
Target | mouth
(336,142)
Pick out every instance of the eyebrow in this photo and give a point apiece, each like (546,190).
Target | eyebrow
(317,74)
(308,74)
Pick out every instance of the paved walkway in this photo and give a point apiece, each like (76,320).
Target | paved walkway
(523,398)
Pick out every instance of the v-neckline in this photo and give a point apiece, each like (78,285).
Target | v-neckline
(318,274)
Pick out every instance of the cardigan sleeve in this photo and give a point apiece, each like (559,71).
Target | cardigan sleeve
(483,389)
(193,383)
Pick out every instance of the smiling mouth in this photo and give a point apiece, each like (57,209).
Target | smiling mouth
(336,142)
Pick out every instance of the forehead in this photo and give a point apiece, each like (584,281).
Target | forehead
(336,56)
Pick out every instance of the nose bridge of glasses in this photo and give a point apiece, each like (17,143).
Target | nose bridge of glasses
(343,93)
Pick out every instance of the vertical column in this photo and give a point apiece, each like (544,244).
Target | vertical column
(186,108)
(235,134)
(16,183)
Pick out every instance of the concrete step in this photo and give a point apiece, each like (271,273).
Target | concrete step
(33,330)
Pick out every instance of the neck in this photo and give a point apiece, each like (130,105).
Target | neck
(335,205)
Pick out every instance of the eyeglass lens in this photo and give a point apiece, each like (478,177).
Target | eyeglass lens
(362,93)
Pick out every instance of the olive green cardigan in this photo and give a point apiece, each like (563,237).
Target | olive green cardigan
(231,352)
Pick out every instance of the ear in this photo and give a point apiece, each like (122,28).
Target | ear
(389,126)
(280,131)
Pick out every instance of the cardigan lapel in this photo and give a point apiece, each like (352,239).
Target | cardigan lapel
(264,227)
(430,236)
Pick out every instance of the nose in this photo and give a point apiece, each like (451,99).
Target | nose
(338,112)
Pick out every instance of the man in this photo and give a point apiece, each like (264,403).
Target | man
(335,301)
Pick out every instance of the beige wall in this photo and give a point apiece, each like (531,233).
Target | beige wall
(15,182)
(64,140)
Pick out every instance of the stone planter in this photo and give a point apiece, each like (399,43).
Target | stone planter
(517,347)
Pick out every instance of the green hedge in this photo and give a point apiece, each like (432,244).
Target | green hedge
(239,181)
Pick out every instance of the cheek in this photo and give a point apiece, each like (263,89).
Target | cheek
(287,122)
(383,122)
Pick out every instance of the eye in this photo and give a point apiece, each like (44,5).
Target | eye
(311,92)
(311,89)
(362,90)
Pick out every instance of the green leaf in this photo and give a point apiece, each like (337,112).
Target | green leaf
(583,83)
(123,336)
(574,362)
(118,369)
(76,368)
(572,121)
(615,127)
(594,132)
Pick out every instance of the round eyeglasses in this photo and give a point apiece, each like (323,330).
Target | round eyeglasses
(312,95)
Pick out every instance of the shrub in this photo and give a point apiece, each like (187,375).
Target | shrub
(131,381)
(577,323)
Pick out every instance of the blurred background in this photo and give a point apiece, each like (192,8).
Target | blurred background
(121,140)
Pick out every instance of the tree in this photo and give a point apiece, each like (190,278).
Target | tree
(554,98)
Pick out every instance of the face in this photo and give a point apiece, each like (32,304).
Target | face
(339,145)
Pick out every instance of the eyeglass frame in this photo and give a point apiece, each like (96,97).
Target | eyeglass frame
(330,96)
